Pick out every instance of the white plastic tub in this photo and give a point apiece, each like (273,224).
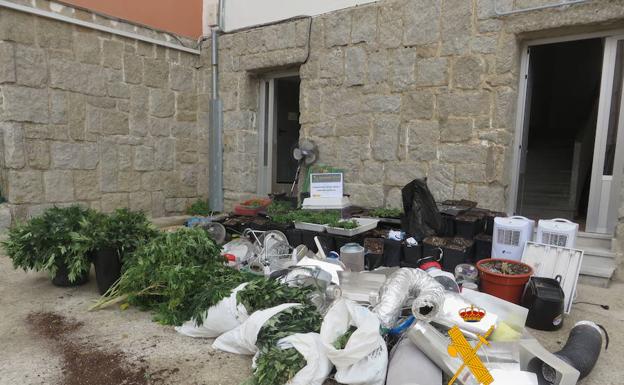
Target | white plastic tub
(310,227)
(364,225)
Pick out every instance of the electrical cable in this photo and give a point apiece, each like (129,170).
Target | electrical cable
(606,307)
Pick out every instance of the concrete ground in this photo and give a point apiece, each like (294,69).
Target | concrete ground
(26,359)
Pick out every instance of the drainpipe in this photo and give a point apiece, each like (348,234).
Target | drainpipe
(538,8)
(215,179)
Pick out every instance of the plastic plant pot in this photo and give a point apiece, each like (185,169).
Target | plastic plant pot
(294,237)
(448,225)
(61,278)
(433,246)
(373,261)
(107,268)
(468,225)
(504,286)
(341,240)
(489,221)
(392,253)
(456,251)
(412,254)
(483,247)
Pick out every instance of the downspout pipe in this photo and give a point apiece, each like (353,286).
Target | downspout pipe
(215,179)
(538,8)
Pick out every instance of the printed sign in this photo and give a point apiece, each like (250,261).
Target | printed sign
(327,185)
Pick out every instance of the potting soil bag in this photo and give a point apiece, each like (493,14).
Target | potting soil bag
(364,360)
(242,339)
(218,319)
(310,346)
(422,218)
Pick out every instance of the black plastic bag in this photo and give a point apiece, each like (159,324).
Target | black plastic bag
(422,218)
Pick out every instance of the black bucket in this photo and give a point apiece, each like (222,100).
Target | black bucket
(107,268)
(412,254)
(61,278)
(294,237)
(373,261)
(458,250)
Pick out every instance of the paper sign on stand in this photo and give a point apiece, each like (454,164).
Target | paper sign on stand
(326,192)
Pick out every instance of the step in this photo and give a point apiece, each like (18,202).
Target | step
(597,270)
(585,240)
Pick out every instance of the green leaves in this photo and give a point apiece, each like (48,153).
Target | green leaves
(341,342)
(386,213)
(277,366)
(49,241)
(265,293)
(199,207)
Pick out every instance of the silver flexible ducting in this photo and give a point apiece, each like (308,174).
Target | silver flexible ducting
(402,285)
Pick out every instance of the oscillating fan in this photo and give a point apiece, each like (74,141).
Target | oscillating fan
(305,154)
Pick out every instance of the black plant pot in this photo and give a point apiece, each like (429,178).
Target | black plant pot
(294,237)
(457,251)
(412,254)
(392,252)
(61,278)
(448,226)
(467,226)
(107,268)
(373,261)
(483,247)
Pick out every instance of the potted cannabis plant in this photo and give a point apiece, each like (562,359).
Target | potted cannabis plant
(113,238)
(48,243)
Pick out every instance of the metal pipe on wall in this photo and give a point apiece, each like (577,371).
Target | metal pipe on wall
(215,180)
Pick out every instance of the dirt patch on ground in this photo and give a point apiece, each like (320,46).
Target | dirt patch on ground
(85,363)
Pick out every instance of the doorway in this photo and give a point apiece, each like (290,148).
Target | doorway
(569,160)
(278,133)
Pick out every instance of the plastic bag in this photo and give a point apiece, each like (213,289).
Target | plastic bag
(422,217)
(242,339)
(364,360)
(220,318)
(310,346)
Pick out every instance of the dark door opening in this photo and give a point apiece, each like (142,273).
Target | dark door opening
(563,91)
(286,135)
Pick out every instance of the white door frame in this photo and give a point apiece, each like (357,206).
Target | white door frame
(266,130)
(522,109)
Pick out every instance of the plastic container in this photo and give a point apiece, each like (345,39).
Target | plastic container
(445,278)
(489,221)
(504,286)
(364,225)
(545,300)
(448,225)
(352,256)
(248,208)
(294,237)
(468,225)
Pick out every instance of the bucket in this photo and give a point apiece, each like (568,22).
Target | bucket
(352,255)
(504,286)
(61,278)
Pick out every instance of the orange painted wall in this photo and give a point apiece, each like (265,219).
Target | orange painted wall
(182,17)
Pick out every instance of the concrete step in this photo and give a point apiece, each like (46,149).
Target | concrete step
(585,240)
(598,267)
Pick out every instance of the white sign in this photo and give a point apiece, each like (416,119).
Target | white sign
(327,185)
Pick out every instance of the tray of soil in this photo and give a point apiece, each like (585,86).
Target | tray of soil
(433,246)
(374,249)
(468,224)
(389,216)
(258,223)
(392,252)
(352,227)
(483,246)
(460,203)
(456,251)
(252,207)
(504,278)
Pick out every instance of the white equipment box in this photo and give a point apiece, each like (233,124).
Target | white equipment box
(510,235)
(557,232)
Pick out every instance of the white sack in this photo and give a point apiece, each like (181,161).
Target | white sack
(310,346)
(364,360)
(218,319)
(242,339)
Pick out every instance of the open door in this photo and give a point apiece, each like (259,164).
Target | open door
(278,133)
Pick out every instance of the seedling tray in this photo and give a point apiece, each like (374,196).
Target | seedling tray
(310,227)
(365,224)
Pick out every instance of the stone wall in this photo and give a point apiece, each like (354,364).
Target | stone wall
(92,117)
(396,90)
